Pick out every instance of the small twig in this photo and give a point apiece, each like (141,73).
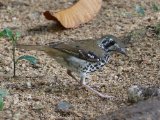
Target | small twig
(14,61)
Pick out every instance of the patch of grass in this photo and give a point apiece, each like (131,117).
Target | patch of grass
(3,93)
(156,7)
(7,33)
(13,38)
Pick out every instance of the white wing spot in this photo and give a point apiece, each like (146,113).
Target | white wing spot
(111,39)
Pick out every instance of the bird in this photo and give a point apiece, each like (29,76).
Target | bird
(82,56)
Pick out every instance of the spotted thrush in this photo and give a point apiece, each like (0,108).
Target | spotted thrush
(82,56)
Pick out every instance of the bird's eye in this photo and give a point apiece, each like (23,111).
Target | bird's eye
(108,44)
(112,42)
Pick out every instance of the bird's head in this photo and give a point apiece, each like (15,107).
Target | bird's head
(110,44)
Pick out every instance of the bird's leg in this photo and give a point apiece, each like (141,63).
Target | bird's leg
(83,82)
(88,79)
(69,72)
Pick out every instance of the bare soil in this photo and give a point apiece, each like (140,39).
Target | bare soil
(34,93)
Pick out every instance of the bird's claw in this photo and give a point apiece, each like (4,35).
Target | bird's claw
(106,96)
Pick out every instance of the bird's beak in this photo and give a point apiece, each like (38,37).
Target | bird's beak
(122,51)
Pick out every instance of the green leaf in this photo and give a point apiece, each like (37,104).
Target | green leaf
(31,59)
(1,34)
(140,10)
(1,103)
(8,33)
(3,93)
(155,7)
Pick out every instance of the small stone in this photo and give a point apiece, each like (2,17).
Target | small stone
(23,65)
(63,107)
(116,77)
(29,85)
(7,69)
(134,94)
(14,18)
(137,93)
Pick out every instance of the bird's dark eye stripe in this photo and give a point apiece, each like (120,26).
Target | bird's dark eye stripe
(109,44)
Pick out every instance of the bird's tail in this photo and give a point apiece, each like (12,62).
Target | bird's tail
(50,51)
(31,47)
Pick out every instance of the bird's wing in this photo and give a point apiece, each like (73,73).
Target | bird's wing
(83,49)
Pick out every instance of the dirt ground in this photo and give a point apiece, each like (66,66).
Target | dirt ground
(36,91)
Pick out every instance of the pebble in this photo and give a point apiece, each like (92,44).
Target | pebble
(14,18)
(7,69)
(24,65)
(138,93)
(29,85)
(63,107)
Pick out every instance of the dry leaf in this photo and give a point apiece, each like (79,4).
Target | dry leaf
(81,12)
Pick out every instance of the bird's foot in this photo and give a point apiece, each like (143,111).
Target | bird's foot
(98,93)
(106,96)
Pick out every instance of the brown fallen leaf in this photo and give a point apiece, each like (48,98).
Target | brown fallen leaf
(80,13)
